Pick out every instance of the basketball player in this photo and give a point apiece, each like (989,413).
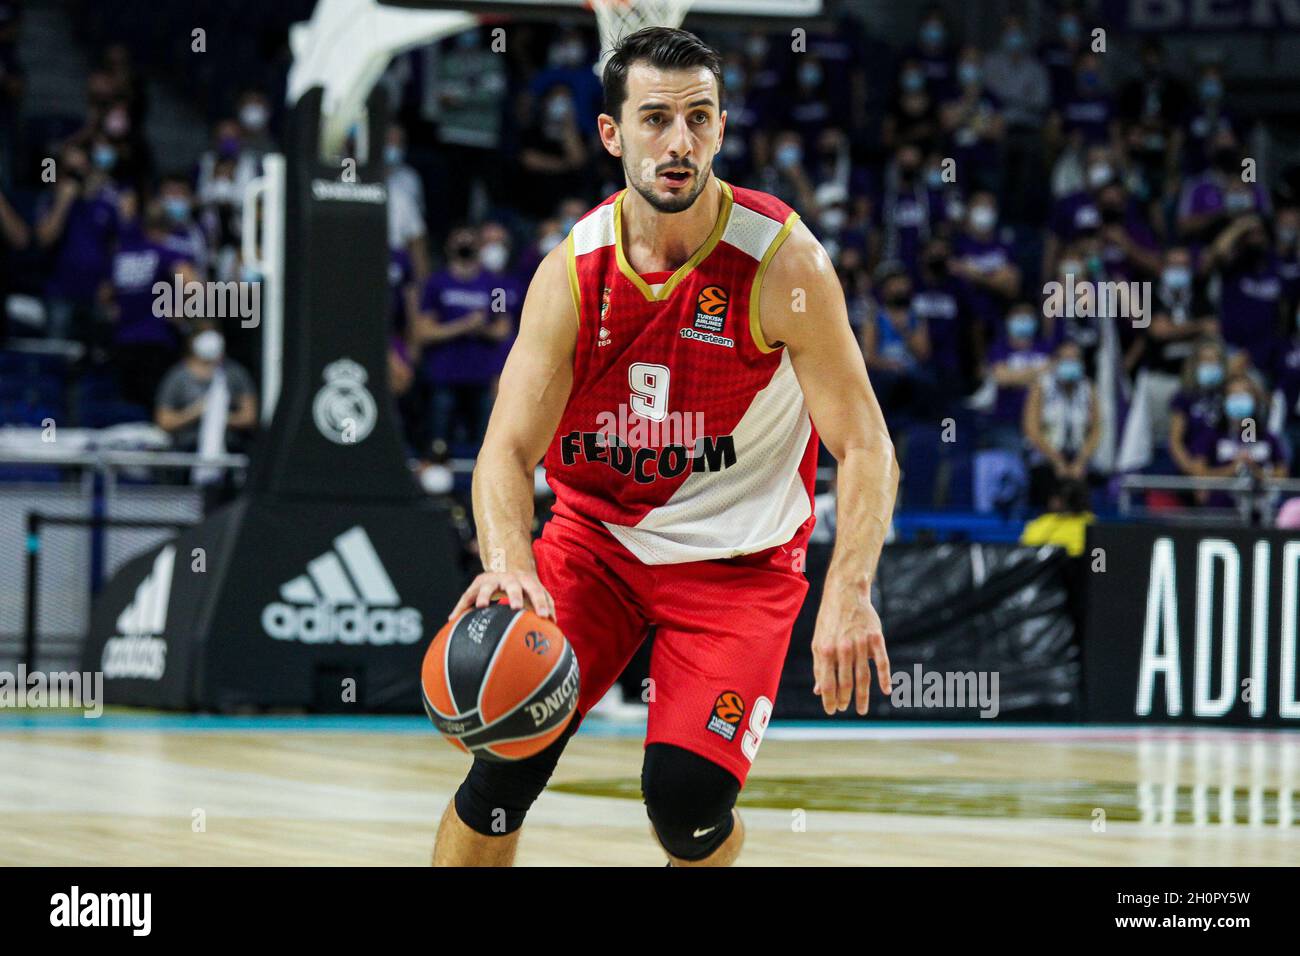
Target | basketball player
(677,357)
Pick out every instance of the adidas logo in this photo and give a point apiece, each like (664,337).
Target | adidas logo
(345,597)
(138,650)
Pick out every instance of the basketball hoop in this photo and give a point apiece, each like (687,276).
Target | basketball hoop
(617,18)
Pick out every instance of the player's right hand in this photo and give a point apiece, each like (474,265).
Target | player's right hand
(521,588)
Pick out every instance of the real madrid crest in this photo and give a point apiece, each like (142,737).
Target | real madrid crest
(344,409)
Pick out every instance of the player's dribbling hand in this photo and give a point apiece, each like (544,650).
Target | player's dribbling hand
(848,637)
(521,588)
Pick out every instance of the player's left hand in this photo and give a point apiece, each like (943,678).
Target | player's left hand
(847,638)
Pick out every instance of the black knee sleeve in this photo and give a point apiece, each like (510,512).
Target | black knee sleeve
(496,796)
(689,800)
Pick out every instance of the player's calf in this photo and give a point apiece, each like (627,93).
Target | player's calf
(691,802)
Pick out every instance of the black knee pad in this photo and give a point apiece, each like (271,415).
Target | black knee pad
(689,800)
(496,796)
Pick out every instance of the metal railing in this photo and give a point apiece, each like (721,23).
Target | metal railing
(110,459)
(1256,498)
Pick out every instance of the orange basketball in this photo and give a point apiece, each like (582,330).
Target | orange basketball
(500,683)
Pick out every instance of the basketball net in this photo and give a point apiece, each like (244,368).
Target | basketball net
(617,18)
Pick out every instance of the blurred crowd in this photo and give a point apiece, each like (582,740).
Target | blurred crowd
(950,184)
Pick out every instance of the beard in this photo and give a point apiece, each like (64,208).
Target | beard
(669,204)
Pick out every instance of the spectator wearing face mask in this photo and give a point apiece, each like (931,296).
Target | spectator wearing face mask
(1078,212)
(1060,55)
(973,124)
(841,48)
(957,342)
(1208,123)
(832,218)
(1214,200)
(458,332)
(831,162)
(913,117)
(947,197)
(208,404)
(1286,376)
(77,222)
(1197,408)
(398,173)
(545,236)
(569,64)
(184,236)
(1181,317)
(1015,77)
(1241,446)
(509,285)
(118,133)
(808,110)
(254,114)
(1251,293)
(764,64)
(933,53)
(1129,248)
(1084,270)
(1286,250)
(851,267)
(1152,105)
(896,347)
(408,248)
(226,169)
(786,177)
(1016,360)
(904,211)
(735,161)
(1062,425)
(1022,85)
(985,264)
(403,291)
(145,343)
(1086,113)
(553,155)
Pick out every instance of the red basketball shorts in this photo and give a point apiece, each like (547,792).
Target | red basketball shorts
(722,631)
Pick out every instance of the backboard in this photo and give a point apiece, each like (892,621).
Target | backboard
(733,12)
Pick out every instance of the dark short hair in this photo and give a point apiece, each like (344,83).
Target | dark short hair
(664,47)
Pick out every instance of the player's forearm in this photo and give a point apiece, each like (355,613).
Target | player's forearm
(866,486)
(503,511)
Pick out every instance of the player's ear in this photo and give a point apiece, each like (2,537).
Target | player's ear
(722,132)
(608,128)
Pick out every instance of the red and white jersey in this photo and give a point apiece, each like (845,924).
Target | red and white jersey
(685,433)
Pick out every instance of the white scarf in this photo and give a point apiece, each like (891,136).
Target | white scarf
(212,428)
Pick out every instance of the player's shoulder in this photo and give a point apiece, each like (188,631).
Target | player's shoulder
(607,201)
(789,244)
(800,259)
(594,229)
(764,204)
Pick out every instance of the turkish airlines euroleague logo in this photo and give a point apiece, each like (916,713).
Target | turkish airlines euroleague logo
(711,309)
(710,318)
(727,711)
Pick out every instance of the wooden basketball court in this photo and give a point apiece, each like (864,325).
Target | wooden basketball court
(159,789)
